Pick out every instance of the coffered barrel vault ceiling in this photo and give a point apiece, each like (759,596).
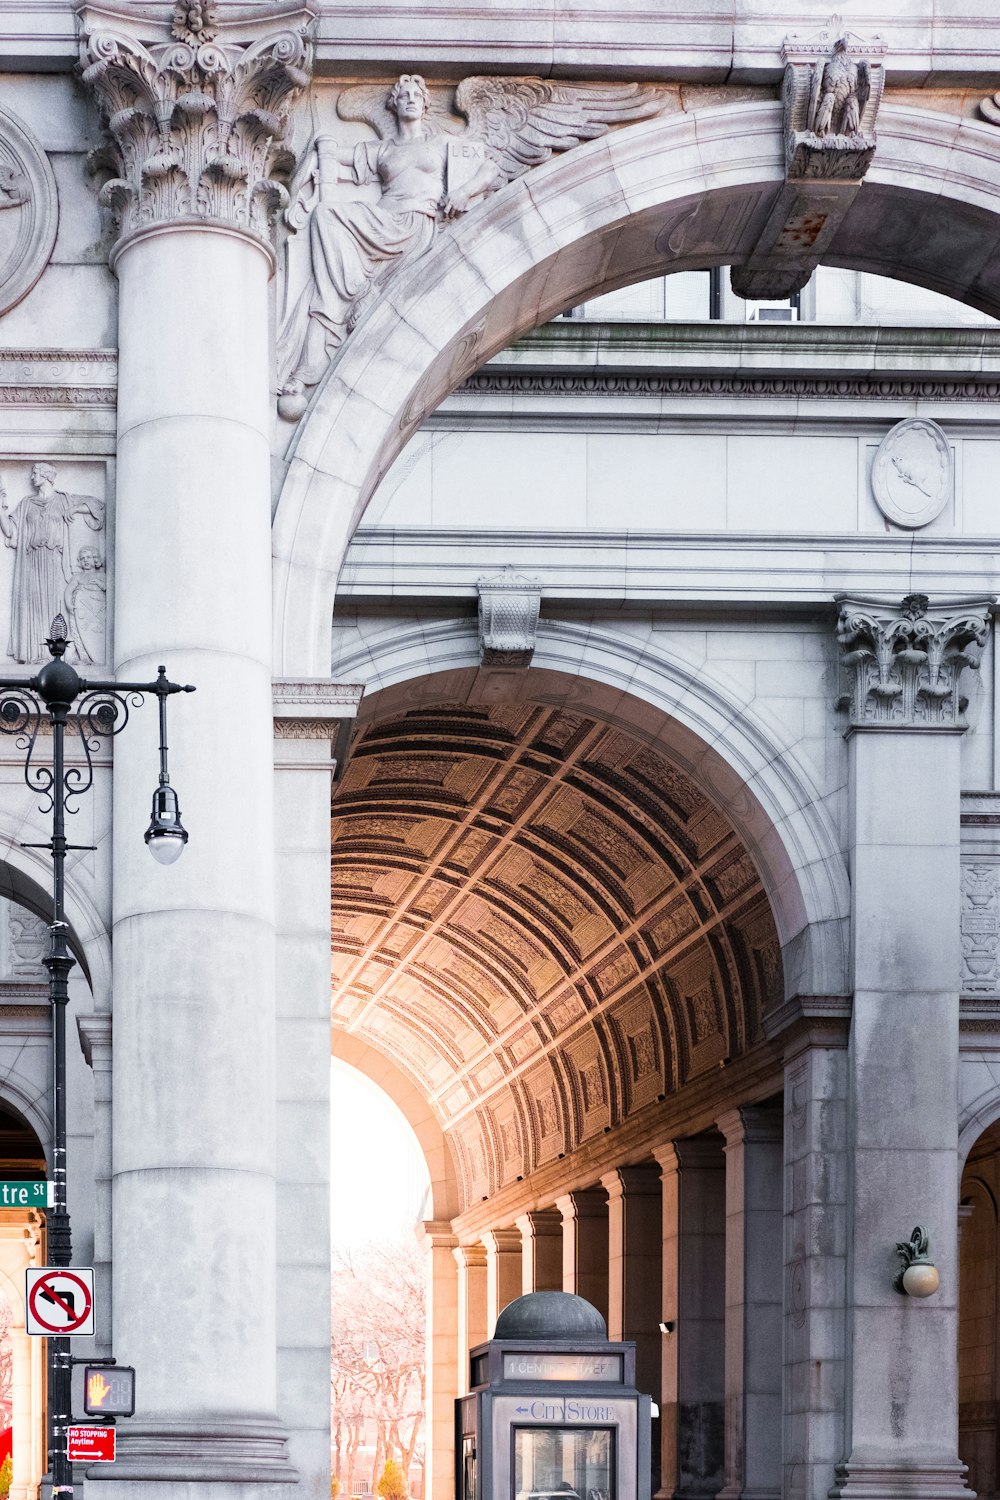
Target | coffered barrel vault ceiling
(543,922)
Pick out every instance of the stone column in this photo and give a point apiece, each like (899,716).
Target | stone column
(503,1272)
(754,1201)
(634,1265)
(472,1306)
(442,1374)
(196,129)
(311,720)
(906,665)
(541,1250)
(95,1041)
(585,1245)
(693,1302)
(815,1259)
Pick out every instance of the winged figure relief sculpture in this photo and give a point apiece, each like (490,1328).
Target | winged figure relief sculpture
(430,164)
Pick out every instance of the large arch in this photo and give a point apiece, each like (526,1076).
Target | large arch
(705,723)
(542,884)
(669,194)
(380,1069)
(26,879)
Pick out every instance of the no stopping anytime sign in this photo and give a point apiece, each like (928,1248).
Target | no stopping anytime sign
(59,1301)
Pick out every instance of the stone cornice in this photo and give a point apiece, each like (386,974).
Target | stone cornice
(196,125)
(809,1021)
(726,42)
(314,709)
(95,1032)
(59,377)
(695,1108)
(594,346)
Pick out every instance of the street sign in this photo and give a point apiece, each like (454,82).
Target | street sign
(109,1390)
(90,1445)
(36,1193)
(59,1301)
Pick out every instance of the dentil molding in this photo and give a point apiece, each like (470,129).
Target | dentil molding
(197,117)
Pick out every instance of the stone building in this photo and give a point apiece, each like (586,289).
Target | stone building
(648,645)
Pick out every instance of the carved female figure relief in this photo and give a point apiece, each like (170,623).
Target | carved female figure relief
(86,595)
(430,166)
(38,531)
(354,244)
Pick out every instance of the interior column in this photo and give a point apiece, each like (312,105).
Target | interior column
(585,1246)
(693,1343)
(754,1201)
(442,1373)
(541,1250)
(472,1306)
(634,1267)
(503,1272)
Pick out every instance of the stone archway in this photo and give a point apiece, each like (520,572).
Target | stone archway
(674,193)
(381,1070)
(546,924)
(558,938)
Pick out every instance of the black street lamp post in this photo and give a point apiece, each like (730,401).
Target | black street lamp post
(95,710)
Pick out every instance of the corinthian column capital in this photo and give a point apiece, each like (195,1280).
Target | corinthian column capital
(904,662)
(197,118)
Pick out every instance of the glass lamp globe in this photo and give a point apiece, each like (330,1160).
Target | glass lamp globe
(166,835)
(921,1279)
(166,848)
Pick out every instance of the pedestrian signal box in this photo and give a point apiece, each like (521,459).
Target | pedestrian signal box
(553,1412)
(109,1390)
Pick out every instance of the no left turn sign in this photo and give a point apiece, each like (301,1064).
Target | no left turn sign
(59,1301)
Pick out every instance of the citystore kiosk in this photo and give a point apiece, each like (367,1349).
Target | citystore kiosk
(553,1412)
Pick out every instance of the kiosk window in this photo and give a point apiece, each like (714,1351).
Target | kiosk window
(563,1463)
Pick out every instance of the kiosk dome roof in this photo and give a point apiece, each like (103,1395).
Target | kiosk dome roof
(551,1318)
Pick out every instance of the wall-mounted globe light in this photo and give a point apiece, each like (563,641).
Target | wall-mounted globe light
(917,1275)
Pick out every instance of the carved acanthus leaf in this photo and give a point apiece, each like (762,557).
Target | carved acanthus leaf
(195,23)
(904,662)
(196,128)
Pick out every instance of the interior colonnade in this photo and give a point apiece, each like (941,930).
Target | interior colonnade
(683,1253)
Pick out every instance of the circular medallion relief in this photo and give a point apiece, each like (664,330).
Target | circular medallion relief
(912,473)
(29,210)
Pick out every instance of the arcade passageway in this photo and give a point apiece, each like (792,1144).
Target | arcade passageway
(547,931)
